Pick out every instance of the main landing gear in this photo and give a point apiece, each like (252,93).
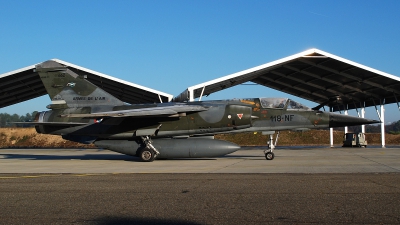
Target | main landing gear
(269,155)
(148,152)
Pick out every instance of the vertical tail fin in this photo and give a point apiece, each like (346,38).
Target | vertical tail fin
(68,89)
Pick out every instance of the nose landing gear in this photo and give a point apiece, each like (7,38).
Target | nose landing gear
(269,155)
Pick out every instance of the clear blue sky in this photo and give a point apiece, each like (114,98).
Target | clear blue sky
(171,45)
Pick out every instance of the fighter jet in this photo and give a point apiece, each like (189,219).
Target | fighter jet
(82,112)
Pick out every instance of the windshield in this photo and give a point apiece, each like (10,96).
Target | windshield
(279,103)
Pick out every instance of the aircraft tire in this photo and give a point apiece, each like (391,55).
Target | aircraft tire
(147,155)
(269,155)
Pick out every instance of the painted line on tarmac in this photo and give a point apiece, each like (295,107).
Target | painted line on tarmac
(53,175)
(30,176)
(89,174)
(76,175)
(37,176)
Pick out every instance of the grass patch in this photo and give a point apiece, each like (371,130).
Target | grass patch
(24,139)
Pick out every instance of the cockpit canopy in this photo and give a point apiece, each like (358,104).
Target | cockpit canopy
(280,103)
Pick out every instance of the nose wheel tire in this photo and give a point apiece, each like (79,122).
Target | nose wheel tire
(269,155)
(147,155)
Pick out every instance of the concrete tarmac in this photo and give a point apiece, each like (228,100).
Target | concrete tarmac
(251,160)
(300,186)
(200,198)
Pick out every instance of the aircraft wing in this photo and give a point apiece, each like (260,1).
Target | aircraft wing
(165,111)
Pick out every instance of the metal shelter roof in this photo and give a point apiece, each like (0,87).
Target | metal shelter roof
(314,75)
(25,84)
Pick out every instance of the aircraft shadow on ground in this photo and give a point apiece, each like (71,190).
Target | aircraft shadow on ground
(69,157)
(86,157)
(244,156)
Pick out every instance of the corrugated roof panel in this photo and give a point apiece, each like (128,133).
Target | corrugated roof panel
(316,75)
(25,84)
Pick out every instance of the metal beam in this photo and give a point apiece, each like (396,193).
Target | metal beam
(294,87)
(305,82)
(330,81)
(348,75)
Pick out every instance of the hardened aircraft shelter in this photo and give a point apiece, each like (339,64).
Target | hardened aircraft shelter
(317,76)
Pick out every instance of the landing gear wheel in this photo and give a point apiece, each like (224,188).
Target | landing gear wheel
(269,155)
(147,155)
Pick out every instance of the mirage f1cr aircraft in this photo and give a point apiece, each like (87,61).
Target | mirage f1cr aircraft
(82,112)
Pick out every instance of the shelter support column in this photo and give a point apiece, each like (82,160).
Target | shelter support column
(331,131)
(383,123)
(346,128)
(191,95)
(363,116)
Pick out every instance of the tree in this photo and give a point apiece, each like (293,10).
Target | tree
(7,120)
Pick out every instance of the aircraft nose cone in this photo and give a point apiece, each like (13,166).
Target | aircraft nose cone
(338,120)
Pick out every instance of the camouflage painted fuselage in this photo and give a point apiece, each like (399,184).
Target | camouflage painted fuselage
(221,117)
(82,112)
